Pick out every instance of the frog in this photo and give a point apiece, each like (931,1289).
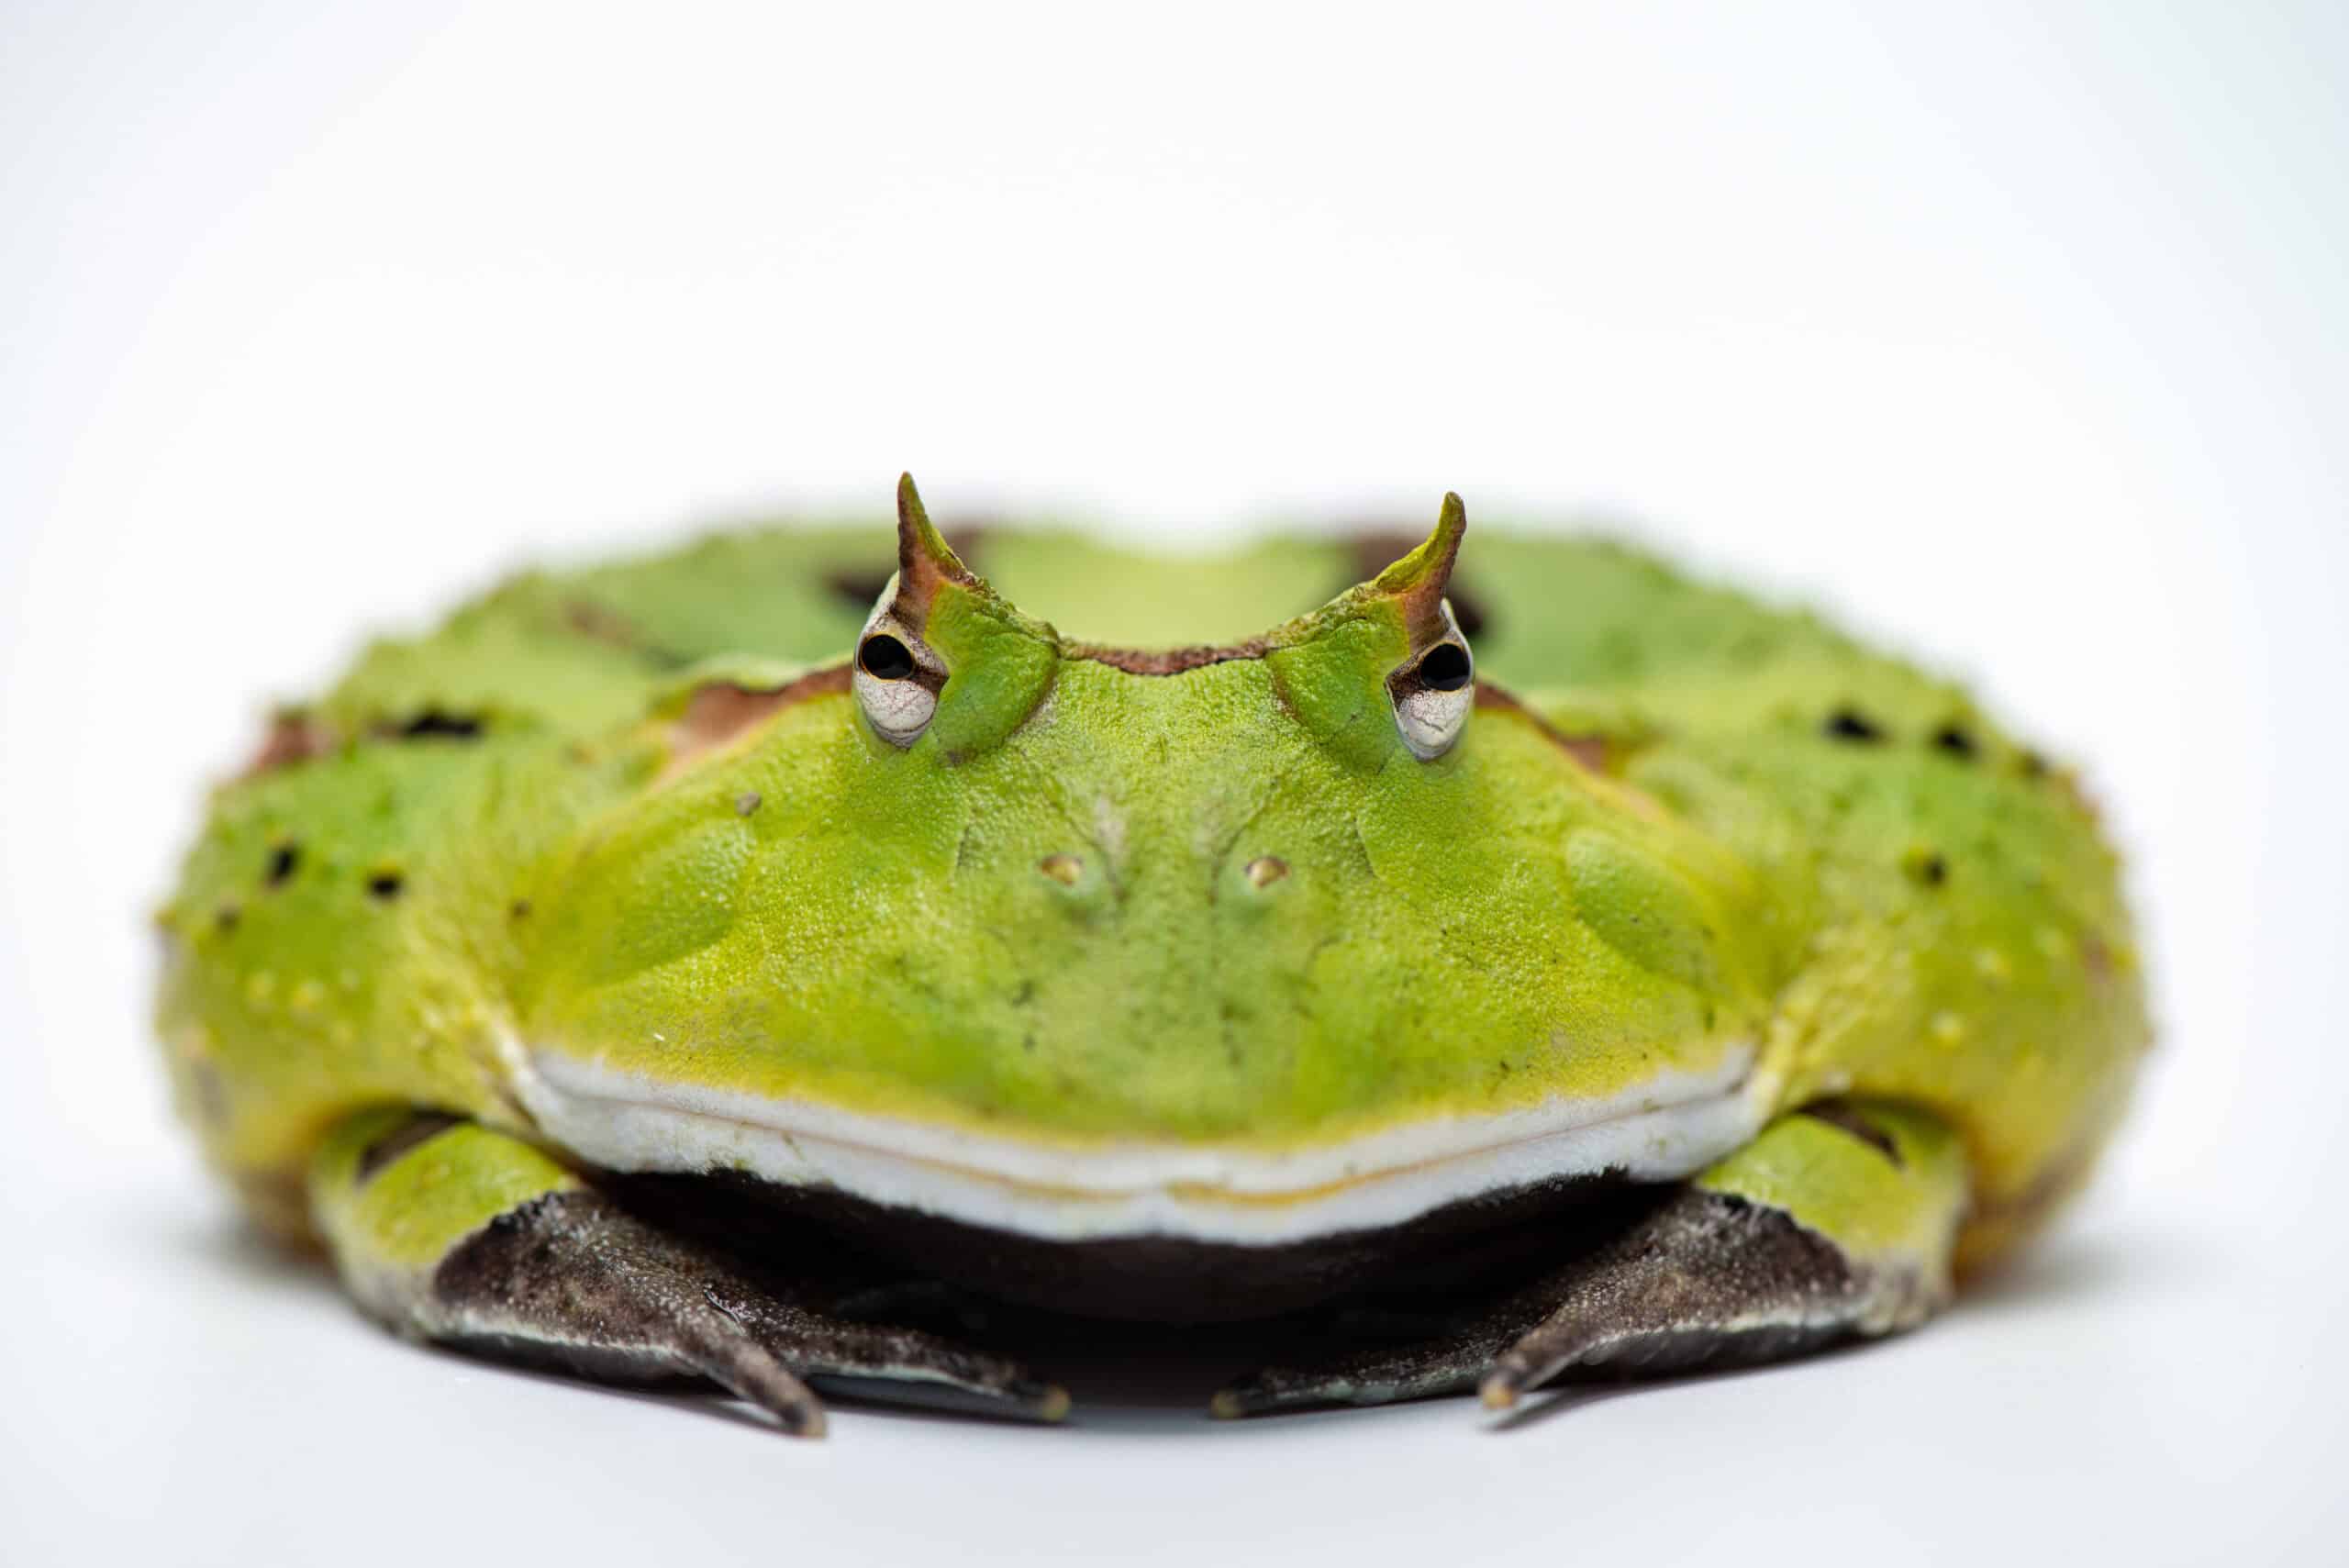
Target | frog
(683,968)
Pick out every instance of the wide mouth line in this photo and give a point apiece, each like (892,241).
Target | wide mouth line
(1224,1171)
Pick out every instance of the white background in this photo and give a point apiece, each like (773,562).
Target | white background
(2017,333)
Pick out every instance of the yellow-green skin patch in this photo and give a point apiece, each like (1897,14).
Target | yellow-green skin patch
(1039,920)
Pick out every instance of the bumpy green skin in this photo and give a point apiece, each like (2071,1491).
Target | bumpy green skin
(1661,852)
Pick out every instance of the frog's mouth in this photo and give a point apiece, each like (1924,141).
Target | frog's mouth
(1666,1127)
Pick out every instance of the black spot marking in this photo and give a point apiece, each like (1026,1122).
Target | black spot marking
(1958,741)
(885,658)
(284,861)
(1850,724)
(519,909)
(1927,867)
(1836,1114)
(386,885)
(227,915)
(1446,667)
(437,724)
(750,800)
(2033,765)
(418,1129)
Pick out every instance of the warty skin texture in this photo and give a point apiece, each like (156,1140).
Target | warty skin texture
(1678,826)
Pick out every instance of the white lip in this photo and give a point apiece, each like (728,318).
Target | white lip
(1670,1126)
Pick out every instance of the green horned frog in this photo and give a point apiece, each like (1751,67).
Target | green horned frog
(690,967)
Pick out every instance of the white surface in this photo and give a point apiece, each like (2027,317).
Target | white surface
(2019,337)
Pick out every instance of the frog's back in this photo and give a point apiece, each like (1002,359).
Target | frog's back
(1953,928)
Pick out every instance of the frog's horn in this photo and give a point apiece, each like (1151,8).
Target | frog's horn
(1417,583)
(924,560)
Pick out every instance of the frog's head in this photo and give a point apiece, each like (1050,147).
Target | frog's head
(1245,943)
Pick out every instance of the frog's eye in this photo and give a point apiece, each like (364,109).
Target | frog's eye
(1433,692)
(897,677)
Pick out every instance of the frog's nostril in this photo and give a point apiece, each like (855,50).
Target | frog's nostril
(1265,870)
(1063,869)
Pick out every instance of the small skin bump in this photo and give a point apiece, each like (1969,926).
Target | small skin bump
(1063,869)
(1266,870)
(1948,1028)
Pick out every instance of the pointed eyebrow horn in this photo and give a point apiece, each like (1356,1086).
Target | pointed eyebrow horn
(1417,582)
(925,561)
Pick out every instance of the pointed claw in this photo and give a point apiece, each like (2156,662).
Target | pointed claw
(1541,1355)
(724,1351)
(886,1361)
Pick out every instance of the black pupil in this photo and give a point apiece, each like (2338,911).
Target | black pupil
(1445,669)
(885,659)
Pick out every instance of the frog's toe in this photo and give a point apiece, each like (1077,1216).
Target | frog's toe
(1838,1222)
(568,1280)
(1833,1224)
(466,1237)
(1437,1366)
(883,1362)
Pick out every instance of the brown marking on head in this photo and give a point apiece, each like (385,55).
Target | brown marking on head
(1592,753)
(720,713)
(1165,661)
(294,735)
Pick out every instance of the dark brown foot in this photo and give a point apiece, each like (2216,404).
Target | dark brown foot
(463,1236)
(1722,1273)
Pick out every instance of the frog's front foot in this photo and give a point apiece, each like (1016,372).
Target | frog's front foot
(1834,1223)
(454,1233)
